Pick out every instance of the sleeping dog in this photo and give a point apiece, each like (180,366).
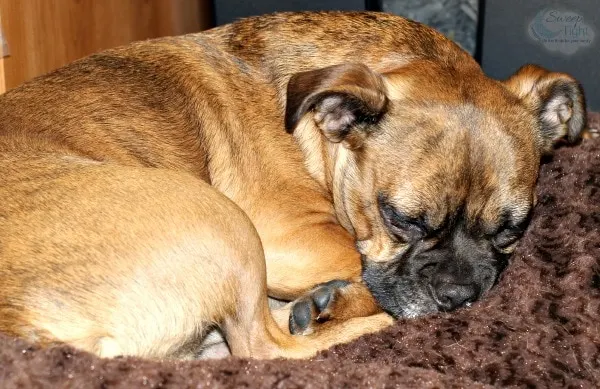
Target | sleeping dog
(360,165)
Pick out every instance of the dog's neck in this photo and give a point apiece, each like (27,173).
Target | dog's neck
(326,162)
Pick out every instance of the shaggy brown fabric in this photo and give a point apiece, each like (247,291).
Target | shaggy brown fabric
(540,327)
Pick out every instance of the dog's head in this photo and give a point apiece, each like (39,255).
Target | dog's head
(432,169)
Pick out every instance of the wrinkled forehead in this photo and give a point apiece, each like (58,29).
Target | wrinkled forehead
(447,157)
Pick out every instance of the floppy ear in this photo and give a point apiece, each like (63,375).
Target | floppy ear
(556,98)
(346,100)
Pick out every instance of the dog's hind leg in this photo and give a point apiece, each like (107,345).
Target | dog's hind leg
(255,333)
(252,331)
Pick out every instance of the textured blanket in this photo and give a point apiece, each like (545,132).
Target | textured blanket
(539,327)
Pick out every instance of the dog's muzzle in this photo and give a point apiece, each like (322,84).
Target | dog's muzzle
(411,291)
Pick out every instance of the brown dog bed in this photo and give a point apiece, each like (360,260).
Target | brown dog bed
(540,327)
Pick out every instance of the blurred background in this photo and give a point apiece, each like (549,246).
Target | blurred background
(40,35)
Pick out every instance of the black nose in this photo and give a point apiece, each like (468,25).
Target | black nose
(450,296)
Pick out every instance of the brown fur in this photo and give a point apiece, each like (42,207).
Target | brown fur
(141,185)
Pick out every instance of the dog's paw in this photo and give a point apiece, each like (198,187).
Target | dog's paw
(316,307)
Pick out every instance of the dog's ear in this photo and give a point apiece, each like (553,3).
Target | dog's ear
(346,101)
(555,98)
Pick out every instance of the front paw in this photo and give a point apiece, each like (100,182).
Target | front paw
(317,307)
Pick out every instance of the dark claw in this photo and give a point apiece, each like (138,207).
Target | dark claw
(301,316)
(322,296)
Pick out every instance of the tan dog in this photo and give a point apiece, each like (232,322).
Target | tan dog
(141,186)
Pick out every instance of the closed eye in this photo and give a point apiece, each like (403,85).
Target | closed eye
(511,230)
(506,240)
(404,228)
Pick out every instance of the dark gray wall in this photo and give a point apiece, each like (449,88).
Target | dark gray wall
(512,36)
(227,11)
